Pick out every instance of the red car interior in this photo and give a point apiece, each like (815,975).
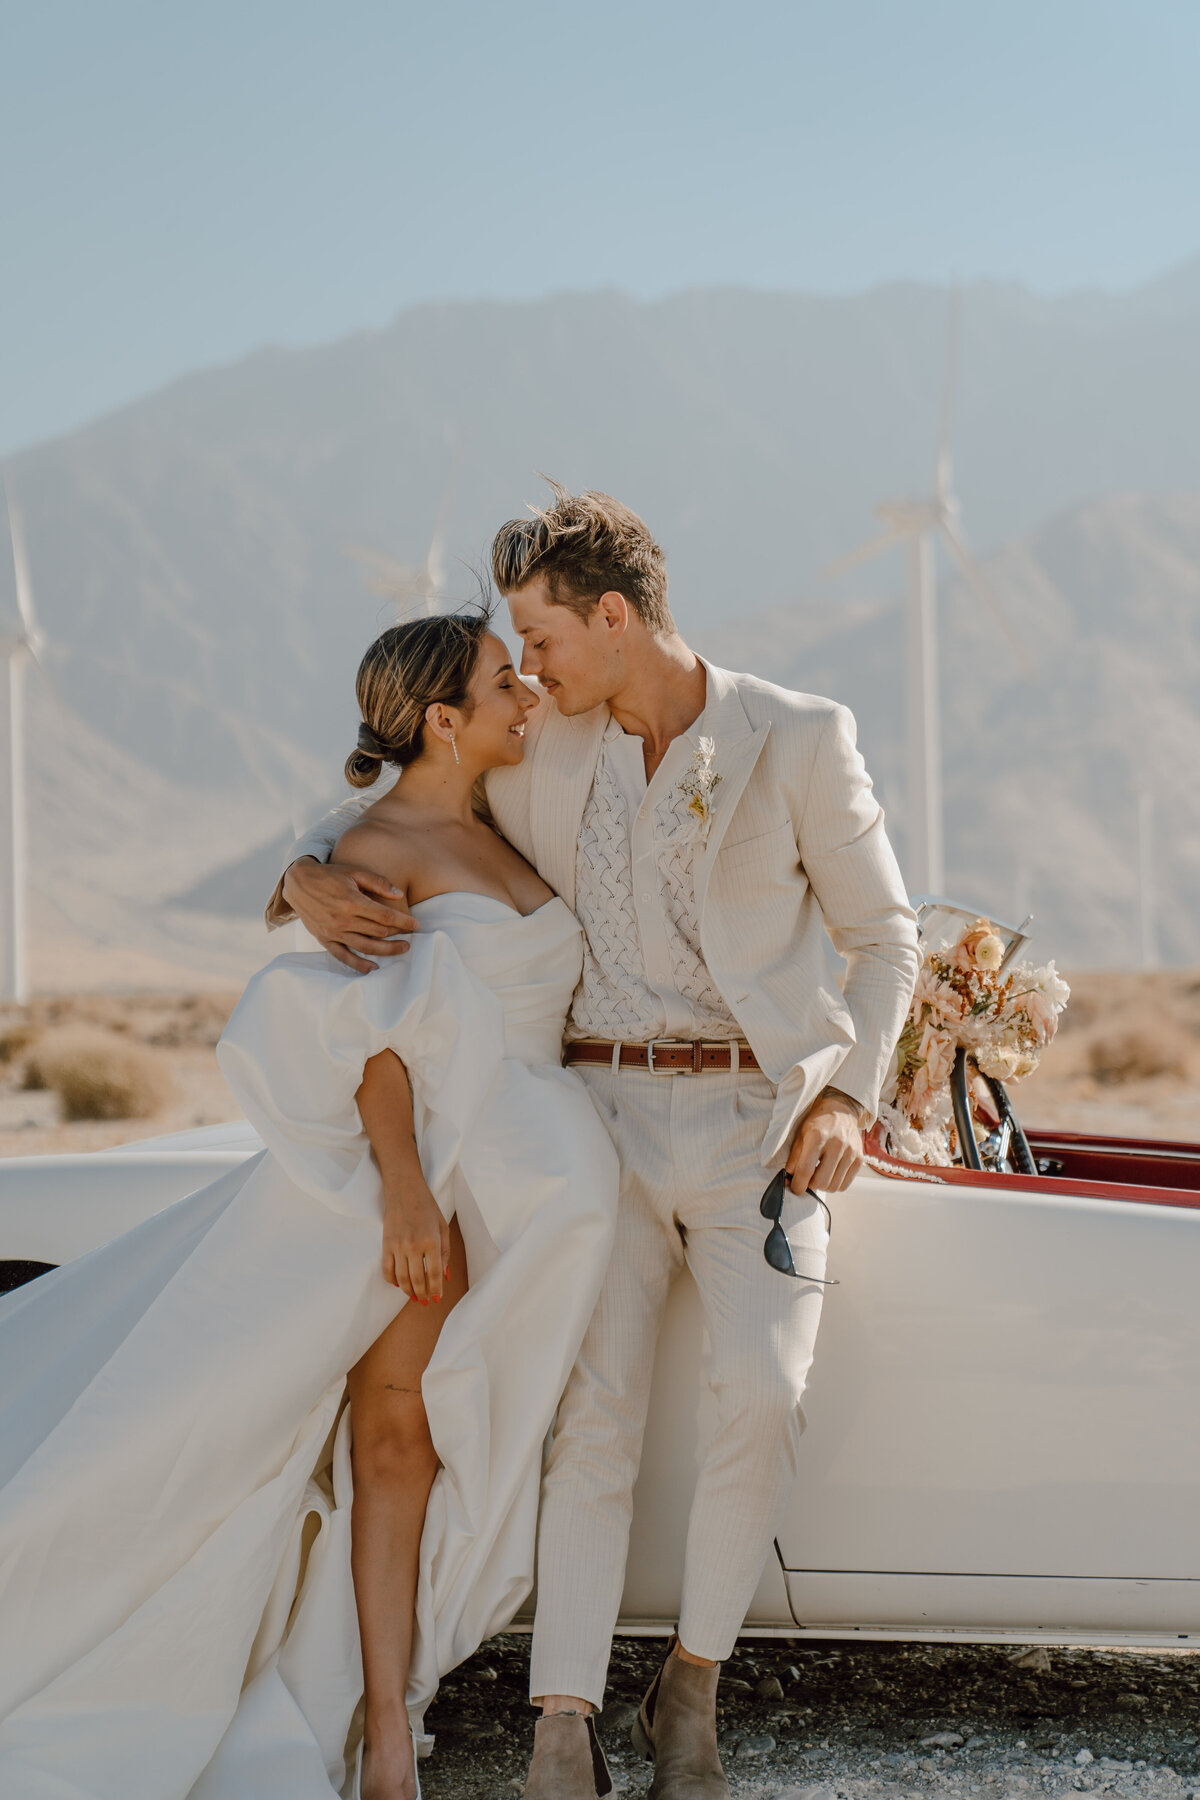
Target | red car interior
(1150,1172)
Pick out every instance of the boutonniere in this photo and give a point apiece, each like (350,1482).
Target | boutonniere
(697,787)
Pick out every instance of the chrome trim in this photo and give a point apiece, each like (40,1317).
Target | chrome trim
(1185,1153)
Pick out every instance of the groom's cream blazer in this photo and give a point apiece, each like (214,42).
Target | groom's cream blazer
(804,921)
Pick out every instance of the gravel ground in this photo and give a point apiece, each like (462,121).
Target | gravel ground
(810,1721)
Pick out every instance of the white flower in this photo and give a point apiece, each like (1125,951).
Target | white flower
(903,1139)
(989,952)
(1041,994)
(1000,1061)
(1048,981)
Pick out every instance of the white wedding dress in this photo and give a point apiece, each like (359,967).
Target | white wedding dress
(176,1610)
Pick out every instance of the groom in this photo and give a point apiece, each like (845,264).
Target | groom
(713,833)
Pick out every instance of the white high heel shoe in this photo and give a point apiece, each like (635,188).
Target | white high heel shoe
(356,1790)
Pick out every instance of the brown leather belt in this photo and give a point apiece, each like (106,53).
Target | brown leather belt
(665,1056)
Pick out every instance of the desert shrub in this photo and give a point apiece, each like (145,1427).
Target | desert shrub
(193,1019)
(14,1040)
(99,1075)
(1139,1053)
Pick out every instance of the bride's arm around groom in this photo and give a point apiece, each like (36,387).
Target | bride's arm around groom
(796,865)
(355,913)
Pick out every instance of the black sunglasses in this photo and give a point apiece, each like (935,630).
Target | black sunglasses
(777,1250)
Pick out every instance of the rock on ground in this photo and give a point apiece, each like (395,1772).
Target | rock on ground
(865,1722)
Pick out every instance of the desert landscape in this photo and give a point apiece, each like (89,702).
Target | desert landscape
(203,562)
(886,320)
(1126,1062)
(145,1059)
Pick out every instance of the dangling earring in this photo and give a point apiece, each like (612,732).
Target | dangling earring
(454,746)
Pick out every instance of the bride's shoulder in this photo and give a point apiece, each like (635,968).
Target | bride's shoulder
(380,842)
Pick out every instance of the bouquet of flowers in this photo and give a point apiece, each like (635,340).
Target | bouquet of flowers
(964,996)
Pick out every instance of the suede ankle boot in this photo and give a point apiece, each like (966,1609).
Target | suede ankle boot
(567,1763)
(677,1729)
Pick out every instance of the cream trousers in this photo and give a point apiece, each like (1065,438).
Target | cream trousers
(691,1181)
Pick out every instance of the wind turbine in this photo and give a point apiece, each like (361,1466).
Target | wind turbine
(917,525)
(17,647)
(1146,896)
(415,589)
(410,589)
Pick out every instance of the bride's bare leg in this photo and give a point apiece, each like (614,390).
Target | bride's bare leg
(394,1466)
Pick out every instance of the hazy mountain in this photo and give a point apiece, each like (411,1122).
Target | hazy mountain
(111,841)
(240,886)
(190,552)
(1043,776)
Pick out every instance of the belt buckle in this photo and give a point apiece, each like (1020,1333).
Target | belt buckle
(665,1044)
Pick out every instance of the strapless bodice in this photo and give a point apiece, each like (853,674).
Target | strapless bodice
(481,986)
(530,961)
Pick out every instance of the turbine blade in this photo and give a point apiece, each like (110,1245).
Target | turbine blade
(48,678)
(983,591)
(384,575)
(434,565)
(435,557)
(943,473)
(24,583)
(853,558)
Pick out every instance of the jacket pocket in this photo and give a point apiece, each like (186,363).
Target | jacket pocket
(754,839)
(756,870)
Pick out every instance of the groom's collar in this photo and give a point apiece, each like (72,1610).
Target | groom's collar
(724,717)
(565,764)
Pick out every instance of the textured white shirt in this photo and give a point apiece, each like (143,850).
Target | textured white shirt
(644,974)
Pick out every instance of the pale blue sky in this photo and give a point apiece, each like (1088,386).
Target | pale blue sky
(184,183)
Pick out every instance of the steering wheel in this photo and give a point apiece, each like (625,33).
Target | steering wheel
(1007,1148)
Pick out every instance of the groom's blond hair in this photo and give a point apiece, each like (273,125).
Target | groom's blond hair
(585,545)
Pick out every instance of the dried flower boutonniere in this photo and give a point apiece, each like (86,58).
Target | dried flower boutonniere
(698,784)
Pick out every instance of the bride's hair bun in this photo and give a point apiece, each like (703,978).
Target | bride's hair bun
(364,763)
(409,668)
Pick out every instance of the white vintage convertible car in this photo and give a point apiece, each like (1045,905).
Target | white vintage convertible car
(1004,1415)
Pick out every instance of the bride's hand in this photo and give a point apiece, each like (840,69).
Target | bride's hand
(416,1242)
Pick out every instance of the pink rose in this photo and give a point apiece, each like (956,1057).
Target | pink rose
(1041,1012)
(919,1093)
(938,1047)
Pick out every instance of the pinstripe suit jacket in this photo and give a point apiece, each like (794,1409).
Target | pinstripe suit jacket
(804,921)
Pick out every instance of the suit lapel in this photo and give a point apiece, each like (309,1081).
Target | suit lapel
(738,747)
(564,764)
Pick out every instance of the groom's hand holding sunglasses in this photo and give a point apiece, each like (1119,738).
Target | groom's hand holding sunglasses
(827,1150)
(352,913)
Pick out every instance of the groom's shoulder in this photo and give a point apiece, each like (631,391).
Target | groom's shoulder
(786,709)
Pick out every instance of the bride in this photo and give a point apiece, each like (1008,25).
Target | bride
(260,1486)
